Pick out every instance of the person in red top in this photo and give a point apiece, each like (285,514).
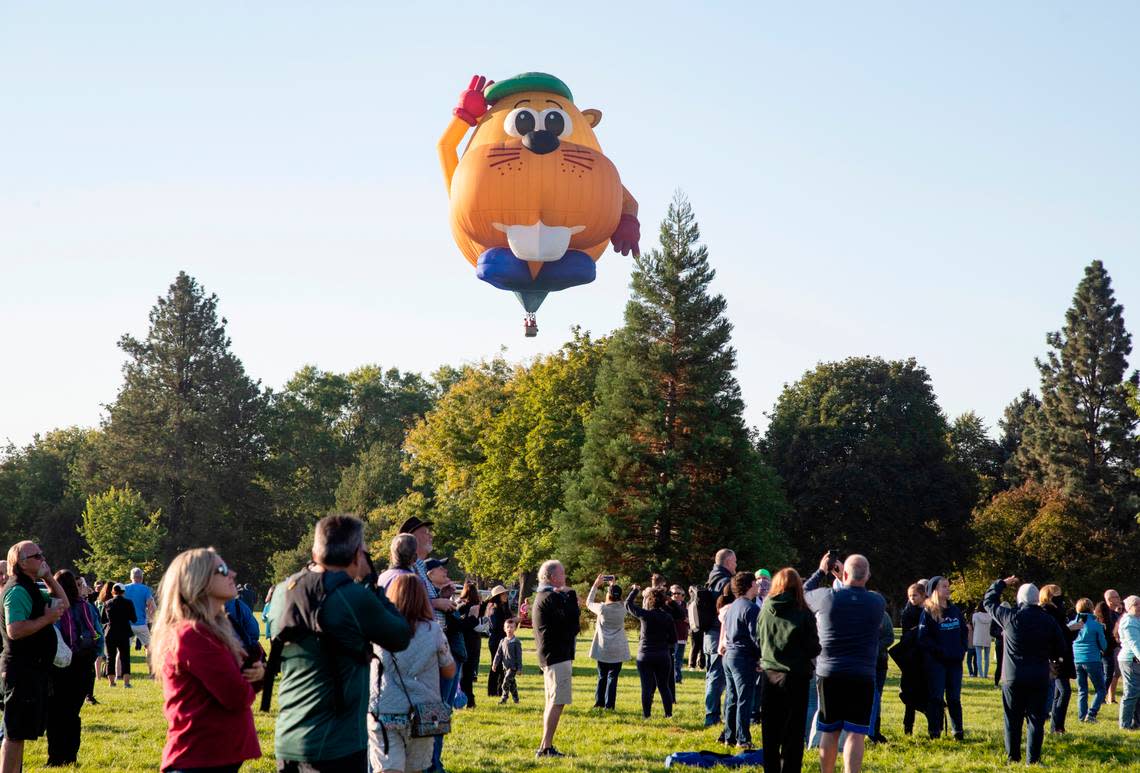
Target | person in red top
(206,691)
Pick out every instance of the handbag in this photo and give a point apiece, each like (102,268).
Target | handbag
(427,719)
(62,651)
(484,626)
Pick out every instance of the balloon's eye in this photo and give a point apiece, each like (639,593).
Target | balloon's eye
(556,122)
(520,122)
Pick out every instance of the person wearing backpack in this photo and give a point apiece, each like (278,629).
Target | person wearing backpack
(323,623)
(719,576)
(81,632)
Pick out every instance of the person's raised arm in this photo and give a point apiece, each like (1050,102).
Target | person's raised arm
(631,607)
(991,601)
(591,604)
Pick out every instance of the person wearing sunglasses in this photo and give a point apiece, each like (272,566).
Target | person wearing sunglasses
(27,617)
(199,660)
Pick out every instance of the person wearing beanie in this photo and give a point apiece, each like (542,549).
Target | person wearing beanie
(943,639)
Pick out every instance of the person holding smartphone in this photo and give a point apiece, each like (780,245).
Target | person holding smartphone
(610,646)
(26,621)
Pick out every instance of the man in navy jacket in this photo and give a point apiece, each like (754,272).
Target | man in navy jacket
(1032,639)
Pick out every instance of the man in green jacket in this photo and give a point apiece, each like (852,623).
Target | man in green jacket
(319,731)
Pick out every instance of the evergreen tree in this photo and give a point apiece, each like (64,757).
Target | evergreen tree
(185,432)
(1082,440)
(669,473)
(1015,418)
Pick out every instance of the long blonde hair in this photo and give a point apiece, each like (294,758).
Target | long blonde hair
(933,603)
(182,598)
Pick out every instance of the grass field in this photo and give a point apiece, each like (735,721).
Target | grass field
(126,731)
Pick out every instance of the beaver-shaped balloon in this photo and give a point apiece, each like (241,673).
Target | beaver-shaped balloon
(533,199)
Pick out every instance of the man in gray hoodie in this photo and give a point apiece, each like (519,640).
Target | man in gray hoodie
(720,576)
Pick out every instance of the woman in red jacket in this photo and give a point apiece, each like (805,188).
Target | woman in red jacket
(207,693)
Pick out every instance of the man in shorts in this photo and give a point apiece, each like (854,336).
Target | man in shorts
(143,599)
(848,617)
(27,619)
(557,621)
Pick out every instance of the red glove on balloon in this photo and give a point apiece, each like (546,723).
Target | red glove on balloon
(472,103)
(627,235)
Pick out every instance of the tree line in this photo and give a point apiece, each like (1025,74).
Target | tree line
(627,452)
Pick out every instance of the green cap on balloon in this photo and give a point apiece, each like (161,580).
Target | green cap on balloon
(527,81)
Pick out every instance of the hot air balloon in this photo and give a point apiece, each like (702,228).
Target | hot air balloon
(533,199)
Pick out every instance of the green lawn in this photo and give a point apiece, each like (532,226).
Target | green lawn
(126,732)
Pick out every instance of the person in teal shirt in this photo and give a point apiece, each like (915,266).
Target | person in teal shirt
(318,730)
(26,621)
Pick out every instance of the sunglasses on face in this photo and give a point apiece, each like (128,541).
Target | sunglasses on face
(223,570)
(37,556)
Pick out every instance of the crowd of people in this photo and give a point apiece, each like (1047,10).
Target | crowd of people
(370,665)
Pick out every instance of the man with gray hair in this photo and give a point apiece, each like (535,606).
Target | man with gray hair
(141,596)
(323,701)
(556,620)
(848,618)
(724,566)
(1032,639)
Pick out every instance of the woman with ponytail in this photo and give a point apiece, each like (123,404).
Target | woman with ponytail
(207,694)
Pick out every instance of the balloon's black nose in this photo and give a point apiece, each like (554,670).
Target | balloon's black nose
(541,142)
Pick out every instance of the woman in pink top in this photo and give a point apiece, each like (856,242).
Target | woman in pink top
(207,693)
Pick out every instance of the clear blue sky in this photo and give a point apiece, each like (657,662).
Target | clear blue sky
(895,179)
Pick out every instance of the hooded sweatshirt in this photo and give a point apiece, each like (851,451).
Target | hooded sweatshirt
(787,636)
(946,640)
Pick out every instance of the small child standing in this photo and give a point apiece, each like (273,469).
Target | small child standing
(508,661)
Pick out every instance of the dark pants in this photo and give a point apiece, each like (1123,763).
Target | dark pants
(493,688)
(908,720)
(999,652)
(606,693)
(353,763)
(69,688)
(467,680)
(1024,703)
(656,672)
(122,649)
(943,680)
(972,661)
(1062,692)
(740,685)
(696,650)
(785,710)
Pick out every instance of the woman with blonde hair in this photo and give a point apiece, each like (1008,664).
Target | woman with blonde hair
(943,639)
(206,693)
(411,678)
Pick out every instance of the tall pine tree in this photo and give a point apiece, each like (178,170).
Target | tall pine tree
(669,473)
(185,432)
(1082,439)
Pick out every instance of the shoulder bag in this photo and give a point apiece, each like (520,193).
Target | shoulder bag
(426,719)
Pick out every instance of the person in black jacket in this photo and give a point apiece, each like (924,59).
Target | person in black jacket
(655,649)
(470,608)
(719,577)
(1032,640)
(1053,602)
(557,620)
(943,639)
(912,686)
(497,612)
(118,617)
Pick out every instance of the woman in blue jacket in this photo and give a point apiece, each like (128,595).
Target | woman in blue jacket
(942,637)
(1088,652)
